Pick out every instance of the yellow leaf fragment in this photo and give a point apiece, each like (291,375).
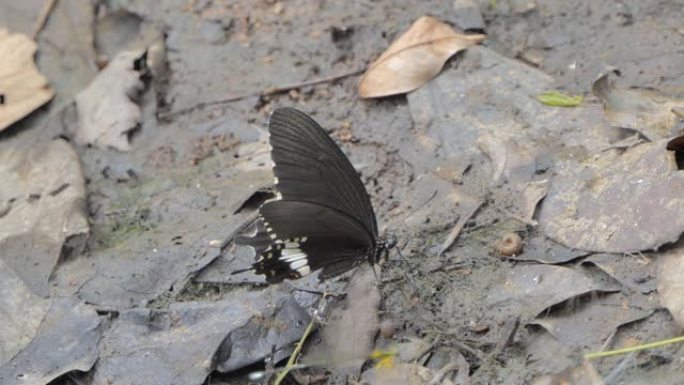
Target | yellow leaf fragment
(559,99)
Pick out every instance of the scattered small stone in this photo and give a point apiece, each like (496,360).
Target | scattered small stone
(387,328)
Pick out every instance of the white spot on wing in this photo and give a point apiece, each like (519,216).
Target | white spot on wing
(293,258)
(278,197)
(291,251)
(296,265)
(304,270)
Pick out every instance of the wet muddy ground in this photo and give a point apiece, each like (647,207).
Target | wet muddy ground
(126,255)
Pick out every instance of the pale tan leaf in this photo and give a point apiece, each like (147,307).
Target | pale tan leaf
(351,327)
(414,58)
(106,110)
(22,87)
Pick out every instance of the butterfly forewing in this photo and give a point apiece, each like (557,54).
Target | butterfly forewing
(310,167)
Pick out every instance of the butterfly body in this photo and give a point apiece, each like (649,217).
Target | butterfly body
(321,217)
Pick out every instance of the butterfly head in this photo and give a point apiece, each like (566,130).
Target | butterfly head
(383,247)
(390,241)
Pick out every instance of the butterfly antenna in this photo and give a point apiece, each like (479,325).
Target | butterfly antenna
(410,266)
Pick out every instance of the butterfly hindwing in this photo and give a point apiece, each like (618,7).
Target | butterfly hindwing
(297,257)
(304,237)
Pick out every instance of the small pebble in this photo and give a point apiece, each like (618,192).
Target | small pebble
(387,328)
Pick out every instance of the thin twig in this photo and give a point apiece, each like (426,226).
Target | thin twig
(456,230)
(43,16)
(268,92)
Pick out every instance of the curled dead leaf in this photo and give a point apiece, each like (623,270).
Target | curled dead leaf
(648,112)
(22,87)
(106,110)
(414,58)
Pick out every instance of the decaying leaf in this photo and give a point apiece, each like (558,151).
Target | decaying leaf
(646,111)
(22,87)
(588,325)
(44,192)
(348,334)
(617,201)
(529,289)
(671,283)
(21,312)
(67,340)
(637,272)
(187,341)
(414,58)
(491,94)
(106,111)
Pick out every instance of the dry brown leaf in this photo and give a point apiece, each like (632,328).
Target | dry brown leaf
(414,58)
(22,87)
(646,111)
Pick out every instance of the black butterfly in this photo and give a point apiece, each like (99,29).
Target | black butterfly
(321,217)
